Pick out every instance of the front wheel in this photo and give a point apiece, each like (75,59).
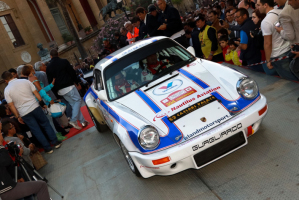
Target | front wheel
(129,160)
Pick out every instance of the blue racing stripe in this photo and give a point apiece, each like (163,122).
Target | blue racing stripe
(240,104)
(133,131)
(173,133)
(150,103)
(91,92)
(112,58)
(193,78)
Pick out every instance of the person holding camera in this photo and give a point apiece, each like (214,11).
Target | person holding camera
(9,133)
(21,97)
(274,45)
(249,53)
(17,189)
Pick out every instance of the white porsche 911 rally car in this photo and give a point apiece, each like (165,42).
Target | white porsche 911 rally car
(170,111)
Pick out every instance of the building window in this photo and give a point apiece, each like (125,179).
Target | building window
(12,30)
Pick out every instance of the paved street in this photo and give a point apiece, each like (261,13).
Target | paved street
(91,166)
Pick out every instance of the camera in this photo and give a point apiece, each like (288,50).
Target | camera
(13,149)
(254,32)
(295,47)
(221,21)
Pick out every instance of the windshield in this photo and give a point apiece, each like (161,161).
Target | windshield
(144,66)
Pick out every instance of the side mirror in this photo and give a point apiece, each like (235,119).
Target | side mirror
(102,95)
(191,50)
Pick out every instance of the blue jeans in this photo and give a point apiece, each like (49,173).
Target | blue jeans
(268,71)
(74,99)
(34,120)
(283,69)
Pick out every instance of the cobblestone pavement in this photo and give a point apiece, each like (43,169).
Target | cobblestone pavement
(91,166)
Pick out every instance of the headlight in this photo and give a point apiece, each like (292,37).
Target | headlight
(247,88)
(148,137)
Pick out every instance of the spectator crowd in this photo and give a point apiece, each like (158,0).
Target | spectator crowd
(262,35)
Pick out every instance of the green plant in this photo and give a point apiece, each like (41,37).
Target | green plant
(87,29)
(67,37)
(108,31)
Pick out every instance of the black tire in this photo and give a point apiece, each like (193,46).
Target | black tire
(100,127)
(129,160)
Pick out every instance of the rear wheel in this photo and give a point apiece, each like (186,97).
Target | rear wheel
(100,127)
(129,160)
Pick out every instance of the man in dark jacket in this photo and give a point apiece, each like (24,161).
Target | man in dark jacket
(140,12)
(121,40)
(66,85)
(249,53)
(191,26)
(152,21)
(171,23)
(9,189)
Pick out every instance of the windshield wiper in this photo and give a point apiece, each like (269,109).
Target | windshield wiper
(179,65)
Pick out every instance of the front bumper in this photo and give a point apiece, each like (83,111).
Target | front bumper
(182,155)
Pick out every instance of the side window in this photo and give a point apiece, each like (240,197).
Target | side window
(98,82)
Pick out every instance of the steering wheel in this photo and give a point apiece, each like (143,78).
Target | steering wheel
(161,68)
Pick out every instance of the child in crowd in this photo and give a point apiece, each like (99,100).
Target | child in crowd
(223,42)
(222,32)
(232,52)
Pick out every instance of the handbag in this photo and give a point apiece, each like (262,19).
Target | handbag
(38,160)
(57,109)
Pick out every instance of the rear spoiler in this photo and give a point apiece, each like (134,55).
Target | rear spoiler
(88,74)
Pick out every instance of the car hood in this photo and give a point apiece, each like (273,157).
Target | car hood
(186,103)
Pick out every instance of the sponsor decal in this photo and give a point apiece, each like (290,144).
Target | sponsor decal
(191,64)
(167,87)
(208,92)
(192,99)
(160,115)
(198,131)
(192,108)
(214,130)
(177,96)
(215,138)
(149,167)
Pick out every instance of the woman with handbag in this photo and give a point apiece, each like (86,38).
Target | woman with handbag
(28,71)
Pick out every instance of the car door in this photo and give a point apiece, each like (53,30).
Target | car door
(98,86)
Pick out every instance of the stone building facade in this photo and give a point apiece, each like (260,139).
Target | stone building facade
(25,23)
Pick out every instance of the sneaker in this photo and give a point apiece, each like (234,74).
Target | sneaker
(60,137)
(85,123)
(49,151)
(58,145)
(75,125)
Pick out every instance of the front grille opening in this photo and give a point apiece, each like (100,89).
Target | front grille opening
(219,149)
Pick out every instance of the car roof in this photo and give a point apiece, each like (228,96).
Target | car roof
(125,51)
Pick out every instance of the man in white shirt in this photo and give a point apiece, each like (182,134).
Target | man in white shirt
(274,45)
(21,95)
